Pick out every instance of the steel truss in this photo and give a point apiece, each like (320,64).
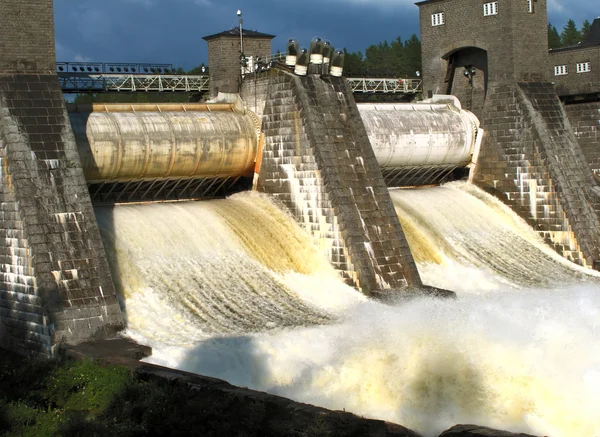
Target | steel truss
(98,83)
(378,85)
(166,189)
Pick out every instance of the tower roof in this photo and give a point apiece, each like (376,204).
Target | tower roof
(235,32)
(594,36)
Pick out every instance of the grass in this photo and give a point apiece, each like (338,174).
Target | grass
(49,398)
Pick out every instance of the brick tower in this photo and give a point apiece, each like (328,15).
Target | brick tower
(224,52)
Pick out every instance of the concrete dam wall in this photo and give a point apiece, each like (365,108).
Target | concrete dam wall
(55,282)
(318,161)
(530,158)
(585,120)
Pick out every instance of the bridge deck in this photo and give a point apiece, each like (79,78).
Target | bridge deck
(111,82)
(121,82)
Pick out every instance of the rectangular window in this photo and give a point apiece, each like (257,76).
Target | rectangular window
(437,19)
(490,9)
(560,70)
(530,6)
(584,67)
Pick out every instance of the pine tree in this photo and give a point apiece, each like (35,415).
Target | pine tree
(412,56)
(553,37)
(570,36)
(353,64)
(585,30)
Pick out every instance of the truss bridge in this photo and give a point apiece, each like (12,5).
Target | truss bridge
(94,77)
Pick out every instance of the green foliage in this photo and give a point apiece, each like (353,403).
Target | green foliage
(570,35)
(395,59)
(585,30)
(85,386)
(198,69)
(353,63)
(553,37)
(45,398)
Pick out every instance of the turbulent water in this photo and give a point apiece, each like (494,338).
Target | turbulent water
(234,289)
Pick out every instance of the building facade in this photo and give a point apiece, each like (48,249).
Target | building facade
(468,45)
(224,56)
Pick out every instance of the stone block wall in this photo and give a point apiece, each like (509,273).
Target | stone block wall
(56,284)
(514,39)
(585,120)
(318,161)
(574,83)
(254,92)
(531,160)
(224,60)
(27,36)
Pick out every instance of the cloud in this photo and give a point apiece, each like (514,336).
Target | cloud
(145,3)
(80,58)
(555,6)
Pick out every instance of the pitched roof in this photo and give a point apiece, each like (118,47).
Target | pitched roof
(235,31)
(594,36)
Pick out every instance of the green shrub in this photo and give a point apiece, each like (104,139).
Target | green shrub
(85,386)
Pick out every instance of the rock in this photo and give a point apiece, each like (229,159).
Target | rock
(479,431)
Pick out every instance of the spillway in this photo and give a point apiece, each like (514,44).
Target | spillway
(234,289)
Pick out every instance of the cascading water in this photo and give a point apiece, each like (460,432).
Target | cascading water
(234,289)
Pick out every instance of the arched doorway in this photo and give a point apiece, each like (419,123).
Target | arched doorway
(467,76)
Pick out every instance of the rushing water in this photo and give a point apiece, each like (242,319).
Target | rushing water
(234,289)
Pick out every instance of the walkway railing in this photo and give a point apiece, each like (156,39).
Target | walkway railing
(96,83)
(378,85)
(94,77)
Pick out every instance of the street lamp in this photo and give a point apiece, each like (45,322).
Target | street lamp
(469,72)
(241,21)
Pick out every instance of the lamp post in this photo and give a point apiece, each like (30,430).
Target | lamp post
(469,72)
(241,20)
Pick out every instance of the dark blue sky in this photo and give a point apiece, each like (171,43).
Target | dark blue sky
(171,31)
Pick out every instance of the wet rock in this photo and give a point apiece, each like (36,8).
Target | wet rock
(259,413)
(479,431)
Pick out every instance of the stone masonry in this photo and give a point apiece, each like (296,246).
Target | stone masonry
(318,161)
(55,283)
(513,43)
(224,57)
(585,119)
(531,160)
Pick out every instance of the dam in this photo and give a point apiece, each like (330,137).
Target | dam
(495,356)
(277,236)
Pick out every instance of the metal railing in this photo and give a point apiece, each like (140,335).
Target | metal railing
(114,68)
(379,85)
(97,77)
(96,83)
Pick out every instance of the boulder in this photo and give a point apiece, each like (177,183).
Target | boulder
(479,431)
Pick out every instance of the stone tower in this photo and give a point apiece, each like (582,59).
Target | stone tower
(500,41)
(224,52)
(55,285)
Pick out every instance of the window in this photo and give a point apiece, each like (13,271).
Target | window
(530,6)
(437,19)
(560,70)
(584,67)
(490,9)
